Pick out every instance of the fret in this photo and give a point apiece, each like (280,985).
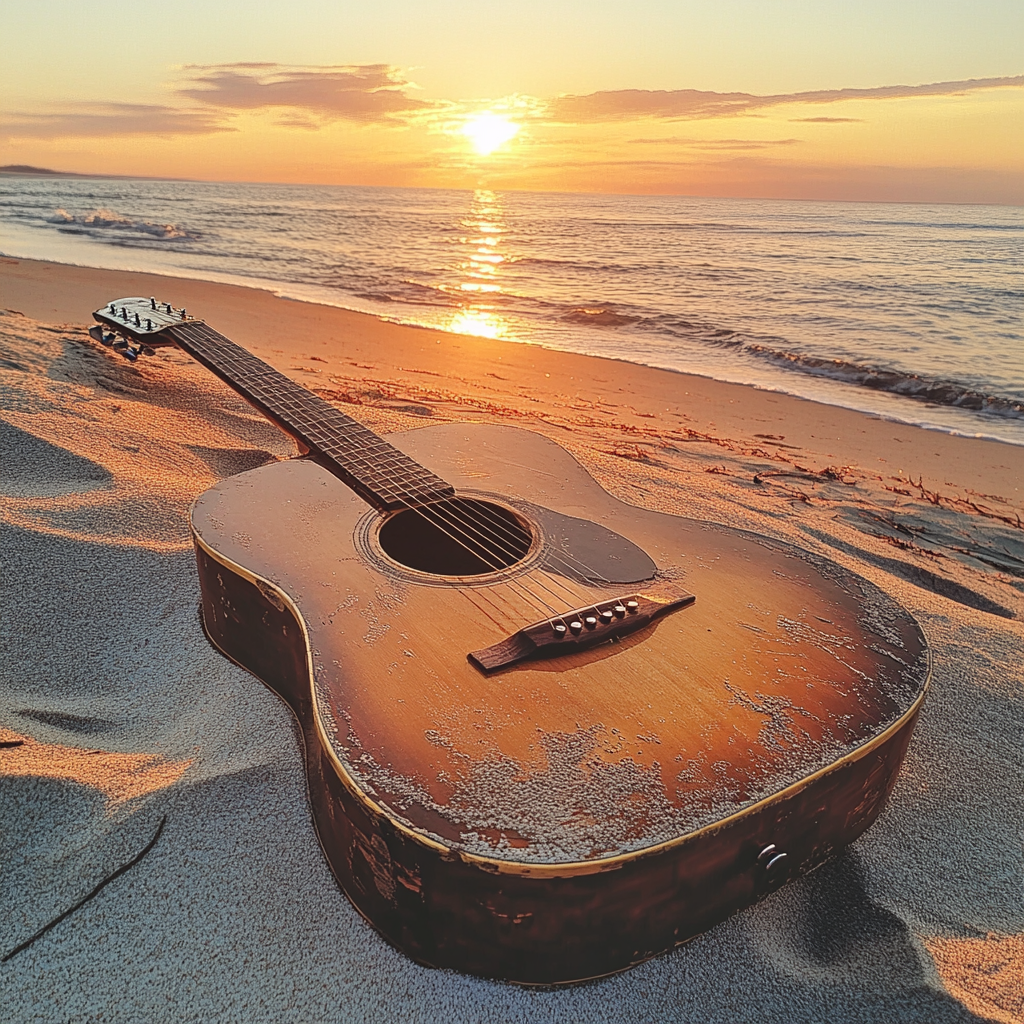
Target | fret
(381,474)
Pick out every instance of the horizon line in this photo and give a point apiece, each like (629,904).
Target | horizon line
(28,171)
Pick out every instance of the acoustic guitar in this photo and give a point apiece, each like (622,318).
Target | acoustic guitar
(547,734)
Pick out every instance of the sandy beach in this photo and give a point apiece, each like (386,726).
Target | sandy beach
(125,739)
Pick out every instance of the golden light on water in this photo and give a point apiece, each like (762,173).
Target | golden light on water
(479,322)
(478,270)
(488,131)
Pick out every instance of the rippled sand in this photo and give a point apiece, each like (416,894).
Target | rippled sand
(117,719)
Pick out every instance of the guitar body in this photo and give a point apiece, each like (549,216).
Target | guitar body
(572,813)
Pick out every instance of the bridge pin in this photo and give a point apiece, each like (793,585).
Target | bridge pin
(575,627)
(607,616)
(632,606)
(590,621)
(620,610)
(560,629)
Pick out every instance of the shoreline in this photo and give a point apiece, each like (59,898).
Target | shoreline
(822,388)
(775,421)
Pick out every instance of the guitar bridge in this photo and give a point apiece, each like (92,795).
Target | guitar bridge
(577,630)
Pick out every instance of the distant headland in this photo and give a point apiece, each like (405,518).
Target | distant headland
(27,171)
(48,172)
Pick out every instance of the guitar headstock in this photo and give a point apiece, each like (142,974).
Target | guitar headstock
(141,324)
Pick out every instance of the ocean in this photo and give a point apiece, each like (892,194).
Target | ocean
(909,312)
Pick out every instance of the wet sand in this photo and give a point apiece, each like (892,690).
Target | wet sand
(116,715)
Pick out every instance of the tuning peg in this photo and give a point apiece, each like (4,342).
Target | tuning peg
(138,322)
(167,307)
(184,315)
(113,308)
(96,333)
(124,313)
(152,302)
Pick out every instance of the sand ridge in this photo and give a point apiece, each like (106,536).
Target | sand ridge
(232,913)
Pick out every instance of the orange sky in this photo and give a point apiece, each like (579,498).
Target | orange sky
(827,122)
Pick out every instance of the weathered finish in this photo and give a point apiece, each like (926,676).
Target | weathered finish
(558,819)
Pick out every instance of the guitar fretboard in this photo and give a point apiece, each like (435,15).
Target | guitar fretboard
(377,471)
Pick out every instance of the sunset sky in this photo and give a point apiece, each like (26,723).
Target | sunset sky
(902,100)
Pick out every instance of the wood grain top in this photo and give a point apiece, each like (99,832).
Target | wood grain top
(785,664)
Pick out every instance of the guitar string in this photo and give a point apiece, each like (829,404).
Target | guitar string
(474,545)
(577,602)
(510,552)
(482,519)
(588,572)
(495,566)
(457,518)
(474,548)
(511,555)
(470,543)
(478,545)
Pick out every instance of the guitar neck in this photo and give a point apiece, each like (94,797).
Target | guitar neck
(377,471)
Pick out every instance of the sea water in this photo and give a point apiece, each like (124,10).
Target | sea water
(907,311)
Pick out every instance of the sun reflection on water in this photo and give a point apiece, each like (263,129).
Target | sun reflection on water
(478,267)
(481,323)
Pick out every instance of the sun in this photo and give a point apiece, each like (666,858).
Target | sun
(488,131)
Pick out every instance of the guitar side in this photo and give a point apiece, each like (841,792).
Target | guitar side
(326,633)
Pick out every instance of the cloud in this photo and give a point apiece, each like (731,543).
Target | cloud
(103,120)
(694,104)
(350,92)
(716,145)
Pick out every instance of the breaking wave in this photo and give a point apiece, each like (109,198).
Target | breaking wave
(103,219)
(908,385)
(920,387)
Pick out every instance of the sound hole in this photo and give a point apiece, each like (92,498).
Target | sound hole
(458,537)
